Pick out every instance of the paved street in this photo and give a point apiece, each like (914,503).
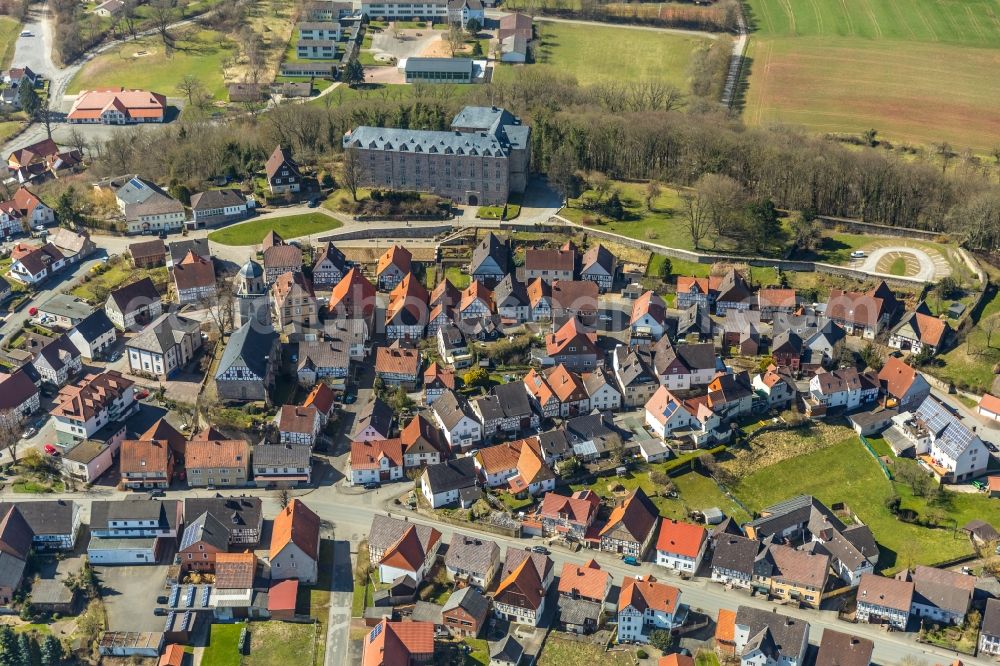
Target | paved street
(351,514)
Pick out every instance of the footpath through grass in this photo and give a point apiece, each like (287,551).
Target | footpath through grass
(288,227)
(847,473)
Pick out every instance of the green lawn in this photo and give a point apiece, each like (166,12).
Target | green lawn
(513,209)
(362,593)
(96,288)
(199,53)
(457,277)
(846,472)
(480,653)
(223,645)
(289,227)
(515,504)
(706,658)
(661,223)
(10,28)
(277,643)
(970,363)
(635,54)
(834,66)
(9,127)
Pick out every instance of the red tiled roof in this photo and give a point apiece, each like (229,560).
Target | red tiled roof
(353,296)
(410,295)
(194,272)
(173,655)
(676,659)
(215,453)
(990,403)
(588,581)
(776,298)
(298,419)
(296,524)
(579,508)
(648,593)
(397,360)
(282,594)
(565,384)
(636,514)
(144,456)
(397,256)
(90,104)
(406,554)
(399,643)
(321,397)
(572,333)
(436,372)
(725,627)
(476,291)
(649,303)
(680,538)
(366,455)
(522,587)
(235,570)
(896,377)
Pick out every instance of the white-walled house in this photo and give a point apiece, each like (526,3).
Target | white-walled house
(644,605)
(681,546)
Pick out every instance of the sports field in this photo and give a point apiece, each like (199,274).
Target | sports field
(921,71)
(594,54)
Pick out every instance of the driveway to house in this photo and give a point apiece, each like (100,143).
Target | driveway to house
(130,593)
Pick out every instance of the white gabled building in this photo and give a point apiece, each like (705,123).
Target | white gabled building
(645,605)
(681,546)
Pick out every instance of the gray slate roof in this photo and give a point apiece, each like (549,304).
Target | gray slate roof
(472,553)
(46,517)
(163,511)
(163,333)
(249,346)
(282,455)
(451,475)
(470,600)
(207,528)
(95,325)
(783,632)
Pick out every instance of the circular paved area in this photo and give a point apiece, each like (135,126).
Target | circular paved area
(925,265)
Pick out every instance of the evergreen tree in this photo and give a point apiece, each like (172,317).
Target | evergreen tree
(52,651)
(28,98)
(9,652)
(24,650)
(354,73)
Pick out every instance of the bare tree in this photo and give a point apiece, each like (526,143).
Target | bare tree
(221,307)
(189,86)
(77,140)
(352,172)
(11,430)
(652,192)
(456,38)
(696,216)
(163,13)
(283,498)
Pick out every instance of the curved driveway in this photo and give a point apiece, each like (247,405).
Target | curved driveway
(927,272)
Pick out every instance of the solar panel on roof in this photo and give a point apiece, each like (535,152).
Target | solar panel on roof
(136,183)
(375,633)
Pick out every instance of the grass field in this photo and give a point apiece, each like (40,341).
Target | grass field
(223,645)
(277,643)
(917,71)
(9,30)
(636,54)
(846,472)
(970,364)
(198,53)
(292,226)
(561,652)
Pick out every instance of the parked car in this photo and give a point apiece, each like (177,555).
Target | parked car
(540,549)
(29,433)
(350,399)
(372,485)
(27,33)
(979,485)
(160,612)
(157,493)
(163,599)
(858,254)
(991,447)
(142,394)
(631,561)
(51,450)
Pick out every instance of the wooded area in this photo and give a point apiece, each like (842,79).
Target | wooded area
(630,131)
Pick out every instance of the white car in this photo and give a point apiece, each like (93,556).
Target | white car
(858,254)
(27,33)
